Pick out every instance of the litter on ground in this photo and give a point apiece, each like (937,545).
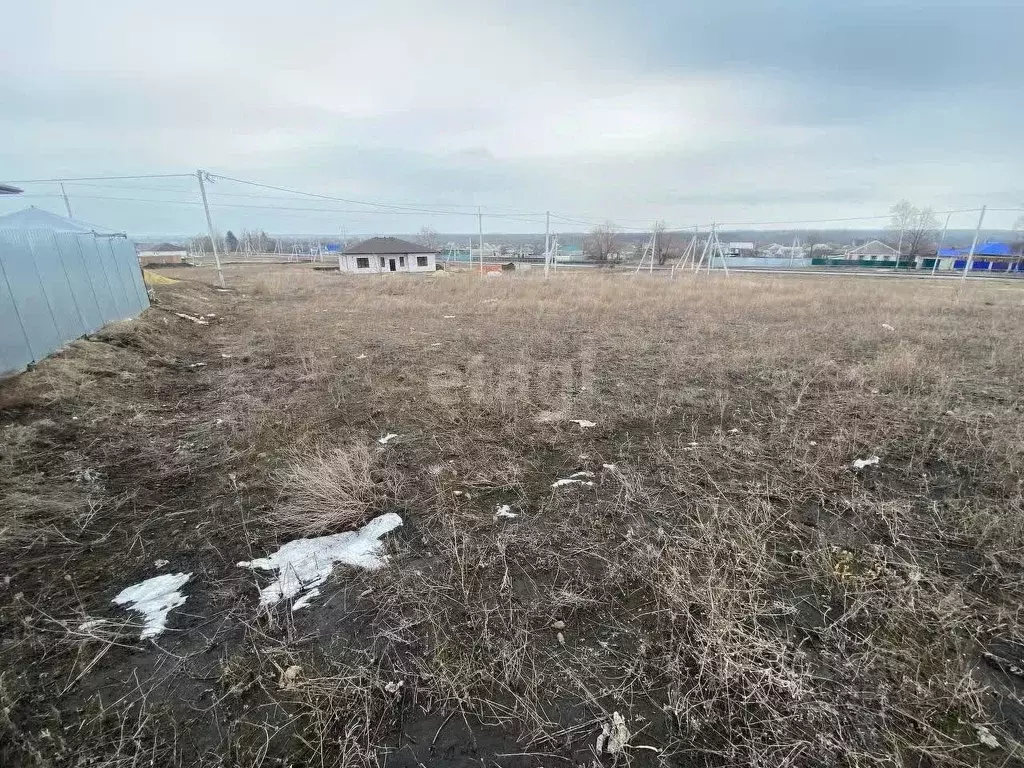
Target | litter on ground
(888,327)
(387,438)
(583,423)
(196,320)
(154,598)
(614,736)
(306,599)
(304,564)
(985,737)
(505,510)
(610,467)
(577,478)
(361,357)
(861,463)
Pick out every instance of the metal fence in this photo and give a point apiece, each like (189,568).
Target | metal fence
(58,286)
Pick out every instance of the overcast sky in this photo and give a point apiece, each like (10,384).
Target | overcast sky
(735,111)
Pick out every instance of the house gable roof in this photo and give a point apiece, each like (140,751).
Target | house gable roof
(164,248)
(383,246)
(874,247)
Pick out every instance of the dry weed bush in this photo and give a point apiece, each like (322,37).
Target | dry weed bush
(327,489)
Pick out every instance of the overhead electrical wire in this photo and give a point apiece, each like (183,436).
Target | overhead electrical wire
(102,178)
(373,207)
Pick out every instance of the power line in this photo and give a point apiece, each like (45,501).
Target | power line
(103,178)
(303,209)
(332,198)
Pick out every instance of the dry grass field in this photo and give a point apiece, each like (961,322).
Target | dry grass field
(725,589)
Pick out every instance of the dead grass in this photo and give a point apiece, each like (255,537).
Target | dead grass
(328,489)
(729,585)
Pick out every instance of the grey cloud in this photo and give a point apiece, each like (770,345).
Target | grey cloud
(839,107)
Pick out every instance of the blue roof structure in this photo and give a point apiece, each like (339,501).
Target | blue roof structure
(993,248)
(988,248)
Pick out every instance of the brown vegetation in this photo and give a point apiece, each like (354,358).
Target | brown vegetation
(729,591)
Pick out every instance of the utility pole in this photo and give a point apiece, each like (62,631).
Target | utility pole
(974,245)
(67,203)
(942,237)
(209,227)
(547,244)
(480,224)
(654,247)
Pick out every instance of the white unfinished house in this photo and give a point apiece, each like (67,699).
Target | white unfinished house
(387,254)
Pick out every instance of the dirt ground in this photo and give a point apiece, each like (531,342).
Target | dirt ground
(722,587)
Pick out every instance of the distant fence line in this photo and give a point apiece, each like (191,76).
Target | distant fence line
(58,286)
(207,260)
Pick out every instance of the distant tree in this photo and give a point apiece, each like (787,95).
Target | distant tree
(600,244)
(230,242)
(429,238)
(914,230)
(811,239)
(664,242)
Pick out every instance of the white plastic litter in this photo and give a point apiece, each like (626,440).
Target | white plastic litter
(610,467)
(577,478)
(449,317)
(888,327)
(161,563)
(985,737)
(196,320)
(614,736)
(387,438)
(505,510)
(361,357)
(861,463)
(304,564)
(306,599)
(154,598)
(584,424)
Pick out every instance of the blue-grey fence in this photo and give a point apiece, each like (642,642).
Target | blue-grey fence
(57,286)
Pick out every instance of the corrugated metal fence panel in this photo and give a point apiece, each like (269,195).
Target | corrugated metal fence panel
(57,286)
(15,353)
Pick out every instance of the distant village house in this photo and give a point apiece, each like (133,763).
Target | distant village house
(875,250)
(387,254)
(162,253)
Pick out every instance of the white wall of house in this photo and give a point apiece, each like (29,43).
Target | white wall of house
(377,263)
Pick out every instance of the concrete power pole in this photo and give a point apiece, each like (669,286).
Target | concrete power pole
(974,246)
(67,203)
(547,244)
(209,227)
(942,239)
(480,224)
